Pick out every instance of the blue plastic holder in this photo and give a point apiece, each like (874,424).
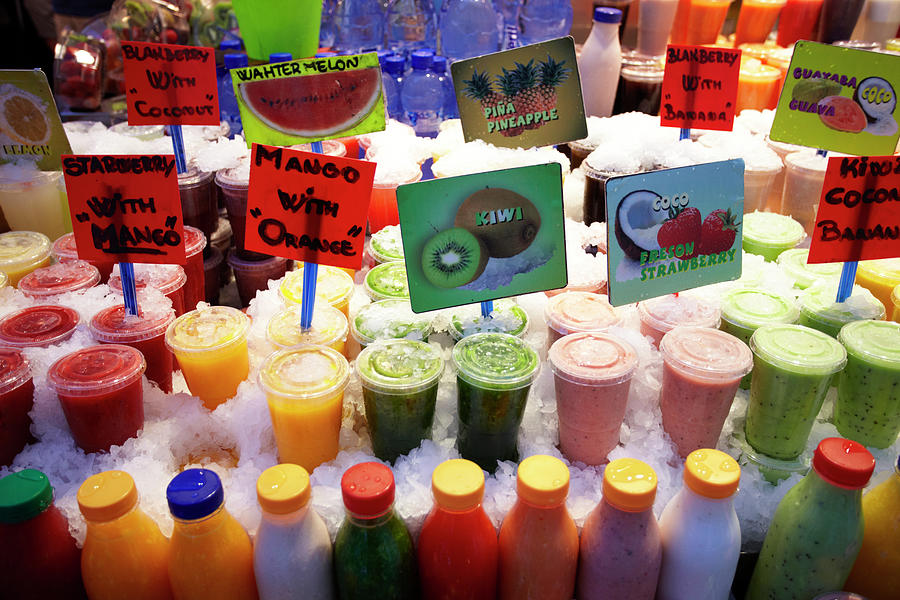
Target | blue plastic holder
(487,307)
(310,273)
(684,133)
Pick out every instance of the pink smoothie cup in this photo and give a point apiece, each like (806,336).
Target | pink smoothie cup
(592,374)
(48,282)
(576,312)
(662,314)
(702,369)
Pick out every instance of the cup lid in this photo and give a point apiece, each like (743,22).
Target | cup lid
(22,248)
(753,307)
(843,463)
(629,484)
(268,263)
(38,326)
(570,312)
(234,178)
(389,319)
(115,325)
(328,327)
(386,244)
(507,317)
(593,358)
(88,371)
(886,270)
(457,484)
(107,496)
(368,489)
(194,494)
(193,177)
(772,228)
(387,280)
(24,495)
(706,353)
(207,328)
(876,341)
(799,348)
(665,312)
(306,371)
(333,285)
(165,278)
(194,240)
(399,365)
(711,473)
(806,160)
(496,361)
(329,148)
(14,369)
(794,261)
(820,302)
(542,480)
(65,247)
(59,279)
(283,489)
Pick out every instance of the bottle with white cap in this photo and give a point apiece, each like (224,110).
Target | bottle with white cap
(599,63)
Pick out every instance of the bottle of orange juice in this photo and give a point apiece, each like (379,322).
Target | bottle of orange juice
(125,554)
(538,538)
(211,555)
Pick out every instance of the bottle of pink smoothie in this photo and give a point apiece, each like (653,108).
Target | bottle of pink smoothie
(702,369)
(573,312)
(592,374)
(621,548)
(659,315)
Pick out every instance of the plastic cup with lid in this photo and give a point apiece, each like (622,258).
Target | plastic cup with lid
(168,279)
(47,282)
(64,250)
(388,319)
(507,317)
(770,234)
(21,252)
(660,315)
(794,263)
(333,286)
(879,277)
(819,310)
(328,328)
(16,401)
(573,312)
(38,326)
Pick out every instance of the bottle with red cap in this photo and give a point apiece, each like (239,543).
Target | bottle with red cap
(817,529)
(373,552)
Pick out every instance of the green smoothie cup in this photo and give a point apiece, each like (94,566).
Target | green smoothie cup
(399,383)
(793,262)
(389,319)
(868,402)
(792,369)
(494,375)
(387,280)
(385,244)
(819,310)
(507,317)
(770,234)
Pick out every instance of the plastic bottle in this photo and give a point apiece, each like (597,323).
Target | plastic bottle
(211,555)
(599,62)
(125,553)
(469,28)
(392,76)
(373,551)
(280,57)
(439,68)
(38,558)
(410,25)
(457,547)
(538,538)
(541,20)
(228,104)
(817,529)
(326,25)
(358,25)
(292,551)
(701,535)
(421,96)
(621,548)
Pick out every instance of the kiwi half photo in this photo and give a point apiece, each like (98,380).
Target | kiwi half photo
(505,221)
(453,257)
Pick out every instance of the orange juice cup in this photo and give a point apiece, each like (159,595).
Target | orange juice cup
(383,206)
(758,86)
(756,19)
(705,20)
(329,327)
(678,34)
(333,286)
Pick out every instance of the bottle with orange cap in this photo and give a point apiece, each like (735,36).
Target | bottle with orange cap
(701,535)
(292,551)
(373,551)
(125,553)
(621,548)
(817,529)
(457,547)
(538,538)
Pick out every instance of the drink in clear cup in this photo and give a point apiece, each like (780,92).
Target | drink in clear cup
(758,182)
(305,390)
(64,250)
(758,85)
(210,345)
(868,397)
(399,384)
(38,326)
(21,252)
(328,328)
(837,20)
(388,177)
(580,150)
(494,375)
(661,314)
(640,89)
(793,367)
(702,368)
(769,234)
(704,21)
(234,184)
(592,374)
(388,319)
(47,282)
(387,280)
(756,19)
(654,24)
(574,312)
(252,276)
(16,401)
(793,262)
(168,279)
(879,277)
(878,21)
(385,244)
(819,310)
(804,177)
(34,201)
(199,202)
(195,285)
(798,21)
(507,317)
(333,286)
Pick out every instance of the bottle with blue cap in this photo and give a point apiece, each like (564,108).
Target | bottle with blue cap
(542,20)
(599,63)
(469,28)
(228,104)
(422,96)
(358,25)
(439,68)
(280,57)
(210,555)
(410,25)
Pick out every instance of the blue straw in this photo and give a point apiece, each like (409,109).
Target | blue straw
(317,147)
(487,307)
(310,272)
(848,276)
(178,145)
(684,133)
(126,274)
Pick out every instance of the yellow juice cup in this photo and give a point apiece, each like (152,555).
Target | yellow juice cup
(895,300)
(211,347)
(329,327)
(333,286)
(880,277)
(21,252)
(305,390)
(36,201)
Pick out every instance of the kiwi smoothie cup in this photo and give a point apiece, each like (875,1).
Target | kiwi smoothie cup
(793,367)
(770,234)
(385,245)
(820,310)
(507,317)
(399,385)
(387,280)
(494,375)
(794,263)
(867,409)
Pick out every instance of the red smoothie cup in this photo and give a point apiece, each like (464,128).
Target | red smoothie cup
(234,184)
(195,286)
(47,282)
(212,274)
(199,201)
(64,250)
(38,326)
(100,391)
(168,279)
(252,276)
(16,400)
(145,332)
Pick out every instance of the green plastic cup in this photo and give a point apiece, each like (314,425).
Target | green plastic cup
(399,384)
(792,369)
(793,262)
(389,319)
(386,245)
(507,317)
(868,401)
(269,26)
(819,310)
(387,280)
(770,234)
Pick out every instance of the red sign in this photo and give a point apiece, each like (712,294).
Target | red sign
(307,206)
(859,211)
(170,85)
(700,87)
(125,208)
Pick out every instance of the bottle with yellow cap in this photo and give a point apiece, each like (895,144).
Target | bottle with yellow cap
(701,535)
(538,538)
(621,548)
(292,553)
(458,544)
(125,553)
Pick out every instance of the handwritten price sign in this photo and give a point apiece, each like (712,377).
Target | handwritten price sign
(700,87)
(307,206)
(125,208)
(170,85)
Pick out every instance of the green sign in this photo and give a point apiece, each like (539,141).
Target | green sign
(30,127)
(481,237)
(674,229)
(839,99)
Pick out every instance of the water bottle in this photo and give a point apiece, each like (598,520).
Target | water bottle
(280,57)
(410,25)
(326,26)
(393,70)
(469,28)
(359,25)
(439,68)
(509,10)
(541,20)
(228,105)
(421,96)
